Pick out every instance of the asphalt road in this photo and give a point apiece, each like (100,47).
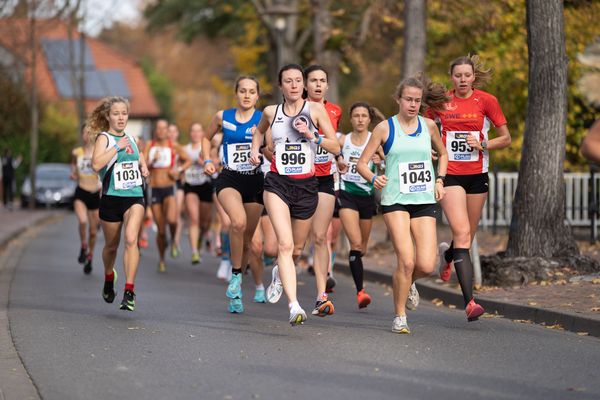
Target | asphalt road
(181,343)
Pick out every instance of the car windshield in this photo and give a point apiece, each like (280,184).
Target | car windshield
(55,173)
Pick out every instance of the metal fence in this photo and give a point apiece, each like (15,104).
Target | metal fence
(581,197)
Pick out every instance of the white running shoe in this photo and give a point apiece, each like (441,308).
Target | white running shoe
(275,288)
(413,298)
(400,325)
(297,316)
(224,270)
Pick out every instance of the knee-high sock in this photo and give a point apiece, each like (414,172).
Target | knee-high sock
(225,245)
(356,266)
(449,254)
(464,272)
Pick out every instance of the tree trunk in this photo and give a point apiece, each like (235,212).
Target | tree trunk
(415,37)
(34,134)
(537,226)
(330,59)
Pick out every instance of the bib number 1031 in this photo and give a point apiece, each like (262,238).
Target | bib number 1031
(127,175)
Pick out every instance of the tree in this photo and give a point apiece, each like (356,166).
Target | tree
(537,227)
(415,37)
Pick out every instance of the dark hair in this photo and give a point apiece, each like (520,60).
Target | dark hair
(288,67)
(249,77)
(374,114)
(313,68)
(482,75)
(434,94)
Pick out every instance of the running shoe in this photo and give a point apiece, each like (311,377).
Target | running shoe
(413,298)
(162,268)
(195,258)
(474,311)
(143,243)
(224,269)
(108,292)
(128,302)
(87,267)
(275,289)
(259,296)
(400,325)
(363,299)
(331,282)
(445,268)
(234,290)
(174,251)
(297,316)
(236,306)
(82,255)
(323,307)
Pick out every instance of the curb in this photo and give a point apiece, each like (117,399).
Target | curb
(428,290)
(15,381)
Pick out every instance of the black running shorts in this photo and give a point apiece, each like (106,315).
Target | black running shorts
(300,195)
(159,195)
(414,210)
(249,186)
(113,208)
(90,199)
(473,184)
(204,191)
(365,205)
(326,184)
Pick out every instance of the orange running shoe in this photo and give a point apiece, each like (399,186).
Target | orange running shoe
(143,243)
(474,311)
(323,307)
(445,268)
(363,299)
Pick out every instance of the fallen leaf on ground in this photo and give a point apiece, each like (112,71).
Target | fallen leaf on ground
(556,326)
(532,303)
(523,321)
(595,309)
(452,306)
(596,281)
(582,333)
(131,328)
(437,302)
(488,315)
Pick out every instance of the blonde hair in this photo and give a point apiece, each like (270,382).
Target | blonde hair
(434,94)
(482,74)
(98,120)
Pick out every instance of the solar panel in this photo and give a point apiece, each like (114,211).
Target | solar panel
(98,84)
(57,53)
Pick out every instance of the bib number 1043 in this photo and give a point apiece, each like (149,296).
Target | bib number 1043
(416,177)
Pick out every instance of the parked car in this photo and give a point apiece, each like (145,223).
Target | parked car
(54,186)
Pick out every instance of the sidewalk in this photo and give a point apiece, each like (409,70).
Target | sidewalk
(12,223)
(572,303)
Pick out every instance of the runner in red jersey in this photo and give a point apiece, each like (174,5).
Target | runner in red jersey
(316,89)
(464,126)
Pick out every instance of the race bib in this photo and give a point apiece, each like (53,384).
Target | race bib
(416,177)
(163,157)
(238,157)
(194,175)
(458,148)
(293,158)
(127,175)
(352,175)
(84,166)
(322,156)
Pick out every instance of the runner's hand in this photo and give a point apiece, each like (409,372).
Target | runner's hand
(342,166)
(434,155)
(474,143)
(123,142)
(210,168)
(255,158)
(380,181)
(439,190)
(144,170)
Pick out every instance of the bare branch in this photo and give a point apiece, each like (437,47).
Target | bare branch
(301,41)
(364,25)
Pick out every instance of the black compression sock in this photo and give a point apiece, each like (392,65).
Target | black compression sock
(236,271)
(464,272)
(449,254)
(356,266)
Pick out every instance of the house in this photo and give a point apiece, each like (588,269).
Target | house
(106,72)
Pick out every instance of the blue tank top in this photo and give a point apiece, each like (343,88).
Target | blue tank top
(235,133)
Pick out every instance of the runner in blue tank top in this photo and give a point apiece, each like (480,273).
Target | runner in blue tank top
(239,185)
(410,188)
(122,168)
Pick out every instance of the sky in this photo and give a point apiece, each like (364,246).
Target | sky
(99,13)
